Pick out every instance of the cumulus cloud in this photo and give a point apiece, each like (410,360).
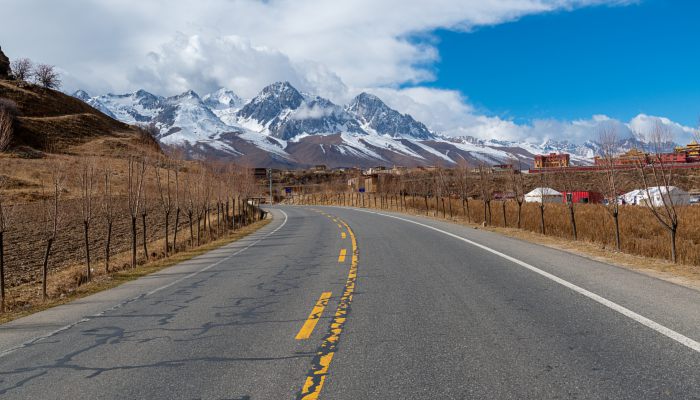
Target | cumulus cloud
(208,63)
(313,112)
(449,113)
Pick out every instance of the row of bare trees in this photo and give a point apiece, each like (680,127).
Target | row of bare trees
(214,197)
(466,182)
(46,75)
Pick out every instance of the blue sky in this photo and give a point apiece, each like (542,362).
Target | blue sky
(617,61)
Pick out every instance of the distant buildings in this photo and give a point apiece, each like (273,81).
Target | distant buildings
(681,155)
(552,160)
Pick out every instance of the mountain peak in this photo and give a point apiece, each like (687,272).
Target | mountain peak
(375,114)
(81,94)
(188,94)
(222,99)
(272,101)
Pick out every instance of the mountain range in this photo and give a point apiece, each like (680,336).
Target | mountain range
(283,127)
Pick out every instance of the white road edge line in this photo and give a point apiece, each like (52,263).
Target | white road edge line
(684,340)
(85,319)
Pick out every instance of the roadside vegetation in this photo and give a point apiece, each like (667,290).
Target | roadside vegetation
(87,217)
(495,198)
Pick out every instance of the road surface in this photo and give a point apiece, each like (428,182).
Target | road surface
(339,303)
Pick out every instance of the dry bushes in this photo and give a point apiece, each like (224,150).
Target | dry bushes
(640,232)
(86,213)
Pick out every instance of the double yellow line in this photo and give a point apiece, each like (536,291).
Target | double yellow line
(324,355)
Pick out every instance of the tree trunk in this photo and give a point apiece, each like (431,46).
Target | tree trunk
(449,201)
(444,212)
(503,205)
(175,229)
(107,244)
(520,211)
(485,220)
(674,254)
(199,229)
(616,218)
(542,219)
(490,213)
(572,218)
(133,242)
(45,270)
(189,219)
(167,219)
(145,237)
(426,206)
(227,216)
(469,213)
(86,228)
(2,272)
(437,206)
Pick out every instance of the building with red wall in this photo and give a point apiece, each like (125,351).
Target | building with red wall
(580,196)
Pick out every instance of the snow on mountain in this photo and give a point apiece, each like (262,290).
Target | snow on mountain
(374,114)
(186,117)
(225,104)
(284,127)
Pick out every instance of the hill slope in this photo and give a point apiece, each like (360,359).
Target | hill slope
(48,120)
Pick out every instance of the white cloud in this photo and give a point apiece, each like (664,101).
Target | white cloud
(329,48)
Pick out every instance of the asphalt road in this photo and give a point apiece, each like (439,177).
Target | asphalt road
(411,309)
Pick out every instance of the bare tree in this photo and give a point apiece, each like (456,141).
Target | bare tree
(189,200)
(22,69)
(47,76)
(517,185)
(165,193)
(52,218)
(544,178)
(87,198)
(609,141)
(7,122)
(565,179)
(144,214)
(6,217)
(107,211)
(464,184)
(485,185)
(658,173)
(135,178)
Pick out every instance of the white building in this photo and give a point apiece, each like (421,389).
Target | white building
(656,196)
(544,195)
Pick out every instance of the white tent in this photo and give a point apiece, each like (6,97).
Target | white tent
(544,195)
(668,194)
(634,197)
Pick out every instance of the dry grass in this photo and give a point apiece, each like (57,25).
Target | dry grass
(26,299)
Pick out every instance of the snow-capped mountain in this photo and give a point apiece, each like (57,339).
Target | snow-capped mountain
(283,127)
(377,116)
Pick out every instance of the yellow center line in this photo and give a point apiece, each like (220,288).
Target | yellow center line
(321,363)
(343,235)
(316,312)
(341,257)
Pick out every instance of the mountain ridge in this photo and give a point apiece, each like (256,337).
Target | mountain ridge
(283,127)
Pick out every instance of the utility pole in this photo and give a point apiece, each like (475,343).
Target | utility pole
(269,174)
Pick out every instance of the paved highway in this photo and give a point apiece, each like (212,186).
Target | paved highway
(339,303)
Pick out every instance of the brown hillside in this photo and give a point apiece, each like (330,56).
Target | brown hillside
(52,121)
